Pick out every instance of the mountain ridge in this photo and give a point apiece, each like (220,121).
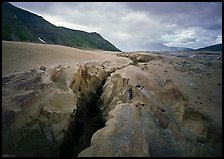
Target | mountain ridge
(21,25)
(162,47)
(216,47)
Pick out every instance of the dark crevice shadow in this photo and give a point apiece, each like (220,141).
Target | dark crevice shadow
(87,121)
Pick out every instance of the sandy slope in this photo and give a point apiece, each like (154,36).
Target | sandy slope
(20,56)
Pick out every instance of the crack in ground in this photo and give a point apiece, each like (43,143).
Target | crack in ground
(87,121)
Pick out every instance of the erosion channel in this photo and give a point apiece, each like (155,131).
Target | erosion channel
(87,120)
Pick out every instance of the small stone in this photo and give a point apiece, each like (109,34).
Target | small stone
(139,86)
(138,104)
(162,119)
(43,68)
(165,71)
(218,58)
(219,84)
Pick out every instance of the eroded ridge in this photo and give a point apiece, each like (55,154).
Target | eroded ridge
(156,114)
(41,104)
(102,109)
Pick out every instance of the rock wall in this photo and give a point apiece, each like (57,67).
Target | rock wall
(155,121)
(38,113)
(40,105)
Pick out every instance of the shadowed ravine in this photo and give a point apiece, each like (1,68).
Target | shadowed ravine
(86,122)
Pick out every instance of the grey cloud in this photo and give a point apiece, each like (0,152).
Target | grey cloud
(187,39)
(36,7)
(204,14)
(133,25)
(201,38)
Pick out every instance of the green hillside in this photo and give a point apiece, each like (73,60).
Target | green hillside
(21,25)
(217,47)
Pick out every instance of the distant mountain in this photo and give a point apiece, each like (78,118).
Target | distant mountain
(153,46)
(21,25)
(180,49)
(217,47)
(161,47)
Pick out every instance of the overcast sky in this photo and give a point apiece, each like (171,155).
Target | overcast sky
(132,26)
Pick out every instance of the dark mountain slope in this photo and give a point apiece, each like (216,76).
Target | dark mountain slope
(217,47)
(21,25)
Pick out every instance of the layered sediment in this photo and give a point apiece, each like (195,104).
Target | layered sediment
(119,107)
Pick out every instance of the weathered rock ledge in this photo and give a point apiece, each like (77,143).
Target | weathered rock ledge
(102,108)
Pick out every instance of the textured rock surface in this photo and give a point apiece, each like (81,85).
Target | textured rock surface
(38,113)
(134,105)
(139,57)
(163,123)
(38,105)
(122,135)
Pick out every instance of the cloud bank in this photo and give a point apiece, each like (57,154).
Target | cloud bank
(133,26)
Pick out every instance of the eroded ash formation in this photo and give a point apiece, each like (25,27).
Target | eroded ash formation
(101,109)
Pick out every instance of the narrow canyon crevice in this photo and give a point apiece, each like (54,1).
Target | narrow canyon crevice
(87,120)
(87,83)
